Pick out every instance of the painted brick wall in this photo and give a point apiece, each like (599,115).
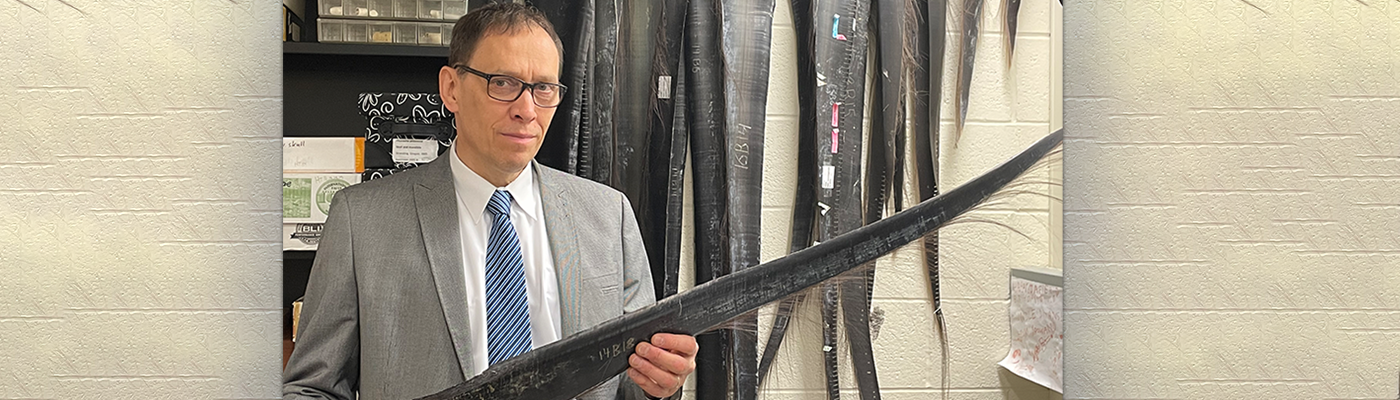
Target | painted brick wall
(1009,111)
(1232,205)
(138,199)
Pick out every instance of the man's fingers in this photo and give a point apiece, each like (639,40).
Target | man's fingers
(666,380)
(684,345)
(659,367)
(671,362)
(645,383)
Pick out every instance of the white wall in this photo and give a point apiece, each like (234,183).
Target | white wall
(1232,205)
(1009,110)
(138,203)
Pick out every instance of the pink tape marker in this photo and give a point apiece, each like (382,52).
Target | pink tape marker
(835,113)
(834,135)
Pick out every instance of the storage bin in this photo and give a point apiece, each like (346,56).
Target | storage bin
(406,8)
(330,30)
(356,31)
(430,9)
(345,8)
(382,9)
(381,32)
(405,33)
(453,9)
(334,30)
(423,10)
(430,34)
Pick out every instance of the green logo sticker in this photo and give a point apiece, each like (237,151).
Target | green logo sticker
(326,192)
(296,198)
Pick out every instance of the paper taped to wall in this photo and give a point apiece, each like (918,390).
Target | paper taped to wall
(1035,314)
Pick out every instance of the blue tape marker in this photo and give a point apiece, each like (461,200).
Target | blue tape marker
(835,27)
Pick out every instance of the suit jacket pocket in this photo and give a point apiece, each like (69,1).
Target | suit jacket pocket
(608,285)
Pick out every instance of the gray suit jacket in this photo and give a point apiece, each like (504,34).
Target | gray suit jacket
(385,312)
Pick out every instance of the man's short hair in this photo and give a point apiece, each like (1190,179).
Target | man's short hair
(496,19)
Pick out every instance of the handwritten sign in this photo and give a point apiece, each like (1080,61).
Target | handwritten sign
(1036,312)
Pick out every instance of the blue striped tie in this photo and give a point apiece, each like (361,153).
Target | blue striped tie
(507,313)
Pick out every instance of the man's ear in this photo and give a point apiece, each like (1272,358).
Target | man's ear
(447,87)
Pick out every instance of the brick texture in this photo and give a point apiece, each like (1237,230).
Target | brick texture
(1231,200)
(138,199)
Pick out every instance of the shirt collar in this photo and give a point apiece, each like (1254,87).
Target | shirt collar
(475,191)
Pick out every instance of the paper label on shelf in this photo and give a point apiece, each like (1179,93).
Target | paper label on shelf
(323,154)
(828,176)
(415,150)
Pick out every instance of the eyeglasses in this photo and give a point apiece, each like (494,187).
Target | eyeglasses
(507,88)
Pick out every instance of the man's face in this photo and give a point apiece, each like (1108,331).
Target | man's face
(498,139)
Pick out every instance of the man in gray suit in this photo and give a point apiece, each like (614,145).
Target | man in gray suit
(425,278)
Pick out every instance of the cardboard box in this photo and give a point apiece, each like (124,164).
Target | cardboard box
(323,154)
(306,198)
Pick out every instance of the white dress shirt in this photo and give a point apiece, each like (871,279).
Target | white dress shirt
(527,214)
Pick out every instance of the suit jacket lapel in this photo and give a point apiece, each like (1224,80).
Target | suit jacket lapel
(436,202)
(563,244)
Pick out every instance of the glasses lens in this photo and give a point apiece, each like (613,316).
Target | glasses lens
(503,88)
(547,95)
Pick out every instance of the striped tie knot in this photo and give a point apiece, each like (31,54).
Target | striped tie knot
(499,204)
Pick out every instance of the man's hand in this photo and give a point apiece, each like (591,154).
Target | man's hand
(660,367)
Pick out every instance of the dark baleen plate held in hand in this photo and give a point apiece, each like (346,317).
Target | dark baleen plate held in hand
(570,366)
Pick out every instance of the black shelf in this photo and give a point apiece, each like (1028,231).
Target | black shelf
(322,81)
(352,49)
(299,255)
(320,85)
(296,271)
